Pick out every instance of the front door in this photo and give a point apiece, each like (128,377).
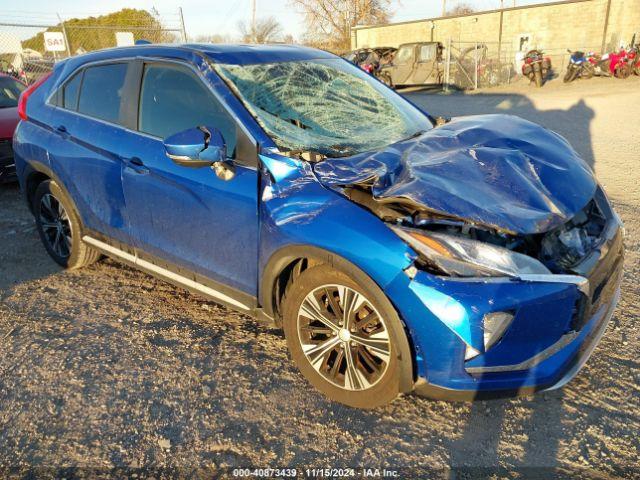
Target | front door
(403,65)
(188,216)
(426,67)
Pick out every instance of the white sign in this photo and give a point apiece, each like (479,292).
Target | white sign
(54,42)
(124,39)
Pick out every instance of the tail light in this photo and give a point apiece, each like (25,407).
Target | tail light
(24,96)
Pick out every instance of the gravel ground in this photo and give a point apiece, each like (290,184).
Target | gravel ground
(109,372)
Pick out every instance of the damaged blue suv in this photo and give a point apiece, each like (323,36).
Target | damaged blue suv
(459,259)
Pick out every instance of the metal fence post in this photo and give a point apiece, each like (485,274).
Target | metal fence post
(475,76)
(447,67)
(64,33)
(184,30)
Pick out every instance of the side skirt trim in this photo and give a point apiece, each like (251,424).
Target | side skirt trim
(165,274)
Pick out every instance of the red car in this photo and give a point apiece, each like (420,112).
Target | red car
(10,90)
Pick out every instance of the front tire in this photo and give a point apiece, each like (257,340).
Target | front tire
(346,338)
(59,227)
(537,73)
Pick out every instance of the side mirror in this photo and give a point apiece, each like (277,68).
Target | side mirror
(200,147)
(196,147)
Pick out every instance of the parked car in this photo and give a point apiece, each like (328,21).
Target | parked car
(475,258)
(371,59)
(10,90)
(418,63)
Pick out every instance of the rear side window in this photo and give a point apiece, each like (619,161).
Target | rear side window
(174,99)
(427,52)
(70,92)
(102,88)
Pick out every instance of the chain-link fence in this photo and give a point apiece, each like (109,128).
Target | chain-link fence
(473,65)
(29,49)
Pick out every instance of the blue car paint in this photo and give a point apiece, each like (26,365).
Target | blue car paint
(283,203)
(496,170)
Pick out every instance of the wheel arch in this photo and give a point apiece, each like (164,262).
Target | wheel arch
(289,261)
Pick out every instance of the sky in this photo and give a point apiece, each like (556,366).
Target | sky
(206,17)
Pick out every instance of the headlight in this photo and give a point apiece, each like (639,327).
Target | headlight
(462,257)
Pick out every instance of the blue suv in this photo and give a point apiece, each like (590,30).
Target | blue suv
(460,259)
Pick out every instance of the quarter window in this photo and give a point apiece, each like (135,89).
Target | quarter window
(101,92)
(173,99)
(70,92)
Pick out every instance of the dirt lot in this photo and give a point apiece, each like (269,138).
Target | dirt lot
(108,368)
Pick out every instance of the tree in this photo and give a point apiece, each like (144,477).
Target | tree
(461,9)
(329,22)
(214,38)
(266,30)
(93,33)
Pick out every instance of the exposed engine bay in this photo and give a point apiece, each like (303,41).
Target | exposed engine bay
(559,249)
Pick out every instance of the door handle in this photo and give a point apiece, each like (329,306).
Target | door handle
(137,165)
(61,129)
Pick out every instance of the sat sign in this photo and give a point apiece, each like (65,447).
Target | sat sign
(54,42)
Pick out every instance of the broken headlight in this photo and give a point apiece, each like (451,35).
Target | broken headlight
(463,257)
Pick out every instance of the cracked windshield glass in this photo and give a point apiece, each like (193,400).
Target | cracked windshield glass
(328,107)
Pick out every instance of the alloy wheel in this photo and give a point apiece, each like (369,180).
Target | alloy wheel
(344,337)
(56,225)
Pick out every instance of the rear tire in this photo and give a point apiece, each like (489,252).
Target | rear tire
(60,229)
(622,71)
(345,368)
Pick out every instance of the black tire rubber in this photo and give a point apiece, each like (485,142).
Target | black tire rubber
(570,75)
(537,74)
(400,369)
(81,254)
(623,71)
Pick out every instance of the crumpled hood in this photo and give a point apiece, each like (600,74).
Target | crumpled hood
(495,170)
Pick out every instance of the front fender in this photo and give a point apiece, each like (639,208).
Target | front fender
(297,211)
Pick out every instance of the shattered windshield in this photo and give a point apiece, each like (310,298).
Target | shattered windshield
(328,107)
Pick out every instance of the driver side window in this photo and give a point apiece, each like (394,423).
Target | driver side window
(404,55)
(173,99)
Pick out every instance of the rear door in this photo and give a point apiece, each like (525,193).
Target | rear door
(188,217)
(84,151)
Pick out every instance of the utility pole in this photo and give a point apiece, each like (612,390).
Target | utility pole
(253,20)
(501,4)
(184,30)
(444,7)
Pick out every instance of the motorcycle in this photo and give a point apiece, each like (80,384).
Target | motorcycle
(619,66)
(633,58)
(598,65)
(536,66)
(578,67)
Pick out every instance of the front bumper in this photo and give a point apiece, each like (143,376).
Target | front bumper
(7,163)
(557,324)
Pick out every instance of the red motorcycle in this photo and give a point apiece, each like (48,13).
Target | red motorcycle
(633,58)
(536,66)
(598,65)
(619,66)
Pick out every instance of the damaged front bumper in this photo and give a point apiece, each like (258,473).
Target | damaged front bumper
(557,322)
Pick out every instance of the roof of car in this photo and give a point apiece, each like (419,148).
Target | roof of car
(249,54)
(218,53)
